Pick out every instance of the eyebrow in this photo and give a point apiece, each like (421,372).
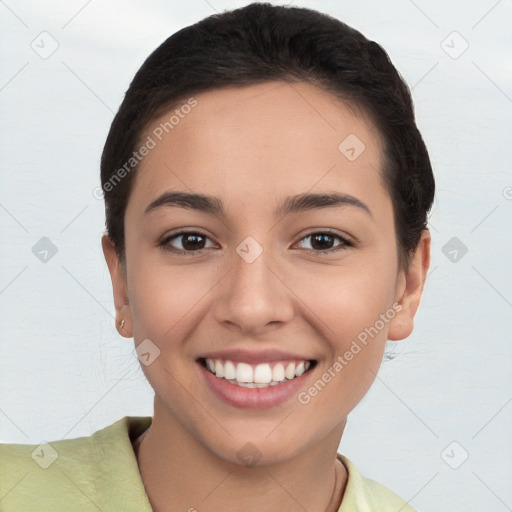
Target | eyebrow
(292,204)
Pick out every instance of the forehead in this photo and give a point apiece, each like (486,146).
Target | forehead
(262,141)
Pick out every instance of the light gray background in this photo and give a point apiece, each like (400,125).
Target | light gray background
(64,370)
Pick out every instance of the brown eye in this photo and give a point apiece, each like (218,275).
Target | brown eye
(322,242)
(191,241)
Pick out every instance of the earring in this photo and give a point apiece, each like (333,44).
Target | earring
(122,323)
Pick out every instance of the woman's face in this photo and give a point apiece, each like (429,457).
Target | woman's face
(257,295)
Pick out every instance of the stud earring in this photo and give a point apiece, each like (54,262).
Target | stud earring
(122,323)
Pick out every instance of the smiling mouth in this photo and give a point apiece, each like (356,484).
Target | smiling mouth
(262,375)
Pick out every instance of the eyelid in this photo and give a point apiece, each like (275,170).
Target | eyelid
(346,241)
(181,232)
(329,231)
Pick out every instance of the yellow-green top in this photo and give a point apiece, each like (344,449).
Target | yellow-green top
(100,472)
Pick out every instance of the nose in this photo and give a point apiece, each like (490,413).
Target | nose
(253,297)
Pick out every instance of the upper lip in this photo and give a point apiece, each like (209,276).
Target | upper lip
(254,356)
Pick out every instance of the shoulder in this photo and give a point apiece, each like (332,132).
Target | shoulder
(86,473)
(367,495)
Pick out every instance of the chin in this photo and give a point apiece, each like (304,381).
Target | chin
(259,449)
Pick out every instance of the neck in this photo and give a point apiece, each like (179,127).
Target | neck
(179,473)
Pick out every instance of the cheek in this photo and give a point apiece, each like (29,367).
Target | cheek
(161,297)
(355,309)
(349,315)
(347,299)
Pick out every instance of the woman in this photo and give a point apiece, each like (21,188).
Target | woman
(266,193)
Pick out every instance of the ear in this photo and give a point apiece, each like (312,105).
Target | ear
(410,285)
(119,286)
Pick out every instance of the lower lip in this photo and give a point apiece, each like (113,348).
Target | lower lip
(253,398)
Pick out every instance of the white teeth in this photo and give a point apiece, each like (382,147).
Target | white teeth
(244,373)
(278,372)
(260,376)
(229,370)
(299,370)
(290,371)
(219,369)
(247,384)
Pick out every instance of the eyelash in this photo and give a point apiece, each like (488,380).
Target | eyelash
(346,244)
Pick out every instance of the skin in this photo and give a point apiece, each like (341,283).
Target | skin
(252,147)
